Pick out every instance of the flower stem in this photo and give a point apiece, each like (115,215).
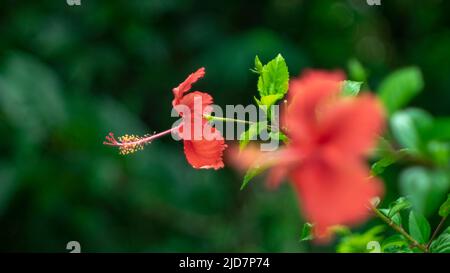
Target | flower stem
(436,231)
(209,117)
(399,229)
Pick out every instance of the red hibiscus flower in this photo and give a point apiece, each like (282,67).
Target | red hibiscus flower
(325,158)
(203,144)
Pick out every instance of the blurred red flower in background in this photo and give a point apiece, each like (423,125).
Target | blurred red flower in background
(325,157)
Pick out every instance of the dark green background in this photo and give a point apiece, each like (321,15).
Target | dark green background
(71,74)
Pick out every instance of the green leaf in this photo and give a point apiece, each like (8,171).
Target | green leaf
(357,243)
(340,230)
(356,71)
(274,78)
(409,128)
(426,189)
(251,134)
(385,155)
(351,88)
(379,166)
(419,228)
(439,152)
(258,65)
(442,243)
(398,205)
(251,173)
(444,210)
(396,218)
(400,87)
(395,244)
(270,100)
(280,136)
(307,233)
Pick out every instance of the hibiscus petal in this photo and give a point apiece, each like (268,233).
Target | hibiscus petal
(197,102)
(306,96)
(276,176)
(185,86)
(334,190)
(314,75)
(192,127)
(192,107)
(207,152)
(353,125)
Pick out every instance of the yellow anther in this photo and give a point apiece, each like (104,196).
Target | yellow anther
(129,144)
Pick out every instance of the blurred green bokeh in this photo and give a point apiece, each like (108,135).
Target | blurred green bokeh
(71,74)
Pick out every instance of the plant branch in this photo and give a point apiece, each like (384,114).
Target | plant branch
(398,228)
(436,231)
(209,117)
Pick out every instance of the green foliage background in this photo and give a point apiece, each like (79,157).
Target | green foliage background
(71,74)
